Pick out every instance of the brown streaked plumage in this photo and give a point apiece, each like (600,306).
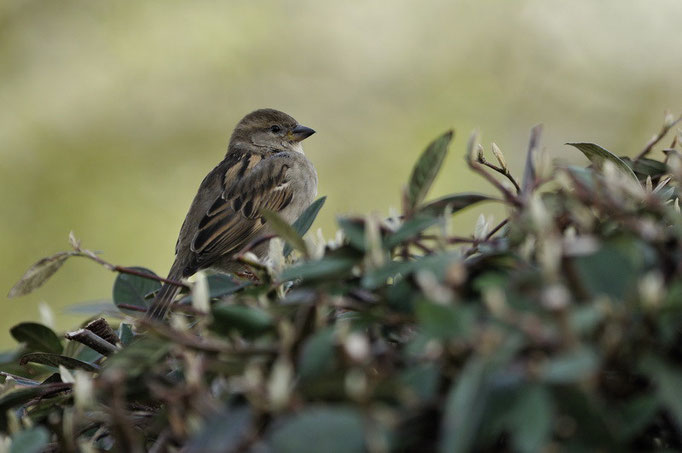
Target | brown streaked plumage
(264,168)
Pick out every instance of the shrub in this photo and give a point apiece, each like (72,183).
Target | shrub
(558,328)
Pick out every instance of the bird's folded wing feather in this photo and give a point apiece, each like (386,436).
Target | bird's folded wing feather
(234,219)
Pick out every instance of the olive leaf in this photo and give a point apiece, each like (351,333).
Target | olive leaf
(39,273)
(37,337)
(285,231)
(305,220)
(598,155)
(55,360)
(426,169)
(455,203)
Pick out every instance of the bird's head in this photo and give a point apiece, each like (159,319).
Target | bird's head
(269,128)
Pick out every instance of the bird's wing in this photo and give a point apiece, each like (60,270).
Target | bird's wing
(234,219)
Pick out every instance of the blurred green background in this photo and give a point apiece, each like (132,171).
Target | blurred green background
(112,112)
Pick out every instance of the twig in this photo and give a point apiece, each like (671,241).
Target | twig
(503,171)
(510,197)
(126,270)
(133,307)
(496,229)
(91,340)
(658,137)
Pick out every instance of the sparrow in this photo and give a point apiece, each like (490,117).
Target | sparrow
(264,168)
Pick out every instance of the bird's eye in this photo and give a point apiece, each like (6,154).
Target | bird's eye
(275,128)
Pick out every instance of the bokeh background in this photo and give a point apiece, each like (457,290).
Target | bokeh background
(111,113)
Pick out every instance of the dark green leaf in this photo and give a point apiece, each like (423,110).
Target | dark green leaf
(314,270)
(37,337)
(125,333)
(55,360)
(38,273)
(321,429)
(134,290)
(444,321)
(531,419)
(31,440)
(571,367)
(142,354)
(409,230)
(317,355)
(426,169)
(226,428)
(455,202)
(248,321)
(422,380)
(610,271)
(354,231)
(305,220)
(668,381)
(464,408)
(598,155)
(285,231)
(644,167)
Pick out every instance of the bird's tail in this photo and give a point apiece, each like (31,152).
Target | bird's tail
(164,298)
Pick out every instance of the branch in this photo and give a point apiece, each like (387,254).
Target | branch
(658,137)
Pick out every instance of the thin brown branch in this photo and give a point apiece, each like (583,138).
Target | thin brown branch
(503,171)
(658,137)
(508,196)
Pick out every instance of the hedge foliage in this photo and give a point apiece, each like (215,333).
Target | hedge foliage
(558,329)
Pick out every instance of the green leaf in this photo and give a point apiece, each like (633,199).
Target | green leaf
(305,220)
(531,419)
(571,367)
(37,337)
(38,274)
(55,360)
(426,169)
(133,290)
(598,155)
(610,271)
(409,230)
(668,381)
(125,333)
(455,202)
(321,429)
(248,321)
(227,427)
(285,231)
(143,353)
(354,231)
(327,267)
(317,355)
(31,440)
(444,321)
(644,167)
(464,406)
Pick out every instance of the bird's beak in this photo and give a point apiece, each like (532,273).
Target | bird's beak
(300,133)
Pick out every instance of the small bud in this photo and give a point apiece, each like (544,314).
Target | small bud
(75,243)
(556,297)
(651,289)
(46,314)
(357,347)
(200,293)
(481,228)
(479,153)
(669,120)
(356,383)
(499,156)
(280,382)
(83,390)
(649,185)
(677,205)
(66,375)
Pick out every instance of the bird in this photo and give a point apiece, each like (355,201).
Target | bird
(264,168)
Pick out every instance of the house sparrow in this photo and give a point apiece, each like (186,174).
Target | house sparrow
(264,168)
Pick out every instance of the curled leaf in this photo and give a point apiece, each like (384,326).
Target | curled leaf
(598,155)
(38,274)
